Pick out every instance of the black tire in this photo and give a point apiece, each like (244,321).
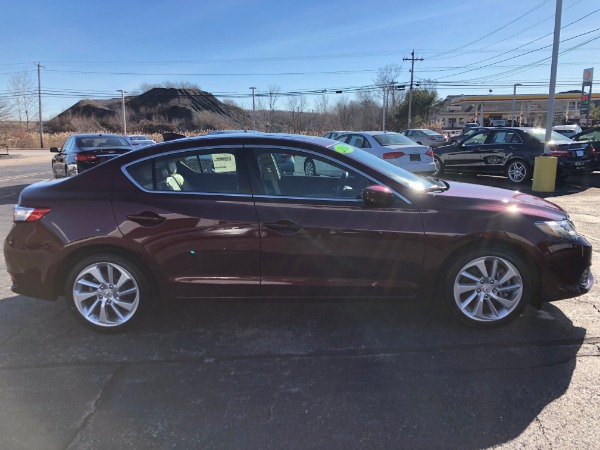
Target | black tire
(497,298)
(310,169)
(439,166)
(518,171)
(107,292)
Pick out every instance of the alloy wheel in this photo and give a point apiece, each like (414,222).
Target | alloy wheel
(106,294)
(517,171)
(488,289)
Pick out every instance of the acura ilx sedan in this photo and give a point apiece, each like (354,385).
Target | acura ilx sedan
(215,216)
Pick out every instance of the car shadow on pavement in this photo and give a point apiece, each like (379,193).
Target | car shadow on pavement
(292,373)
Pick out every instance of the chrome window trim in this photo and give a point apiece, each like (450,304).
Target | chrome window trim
(284,148)
(173,152)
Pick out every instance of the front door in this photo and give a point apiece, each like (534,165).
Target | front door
(466,156)
(318,238)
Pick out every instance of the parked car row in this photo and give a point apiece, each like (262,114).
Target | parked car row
(213,216)
(511,152)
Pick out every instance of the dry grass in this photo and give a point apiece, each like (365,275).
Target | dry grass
(29,139)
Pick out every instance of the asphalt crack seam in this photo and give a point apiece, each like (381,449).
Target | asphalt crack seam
(95,405)
(542,428)
(41,322)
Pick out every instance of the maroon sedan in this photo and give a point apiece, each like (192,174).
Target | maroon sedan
(215,216)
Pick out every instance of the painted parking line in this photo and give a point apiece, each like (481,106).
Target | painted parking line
(25,176)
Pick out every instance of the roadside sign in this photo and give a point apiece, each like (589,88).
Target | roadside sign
(588,76)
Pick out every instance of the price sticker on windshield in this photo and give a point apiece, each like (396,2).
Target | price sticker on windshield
(343,148)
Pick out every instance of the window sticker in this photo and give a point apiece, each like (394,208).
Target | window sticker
(343,148)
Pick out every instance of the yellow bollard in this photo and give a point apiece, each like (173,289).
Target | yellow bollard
(544,173)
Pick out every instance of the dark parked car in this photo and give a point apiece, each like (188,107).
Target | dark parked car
(160,223)
(84,151)
(512,152)
(591,136)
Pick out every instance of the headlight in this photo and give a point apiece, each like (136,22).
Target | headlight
(563,229)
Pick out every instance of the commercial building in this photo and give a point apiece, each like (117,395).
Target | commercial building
(530,109)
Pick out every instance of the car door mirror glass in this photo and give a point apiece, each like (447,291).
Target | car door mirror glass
(377,196)
(54,149)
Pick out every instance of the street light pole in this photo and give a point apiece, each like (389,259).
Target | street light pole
(253,109)
(123,110)
(512,117)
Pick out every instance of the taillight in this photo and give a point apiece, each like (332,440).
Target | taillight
(559,152)
(83,157)
(22,214)
(393,155)
(429,152)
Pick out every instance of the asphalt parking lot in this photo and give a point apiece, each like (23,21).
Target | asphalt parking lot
(300,374)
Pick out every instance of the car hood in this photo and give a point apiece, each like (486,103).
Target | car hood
(501,200)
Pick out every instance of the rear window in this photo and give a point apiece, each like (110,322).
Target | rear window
(102,141)
(540,135)
(430,132)
(386,139)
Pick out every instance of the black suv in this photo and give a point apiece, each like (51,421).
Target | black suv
(511,151)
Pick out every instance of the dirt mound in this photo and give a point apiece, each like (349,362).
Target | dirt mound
(159,109)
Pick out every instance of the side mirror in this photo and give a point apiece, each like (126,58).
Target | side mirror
(377,196)
(54,149)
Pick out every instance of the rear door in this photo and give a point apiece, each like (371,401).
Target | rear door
(499,148)
(192,213)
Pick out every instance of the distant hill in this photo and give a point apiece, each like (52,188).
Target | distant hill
(157,110)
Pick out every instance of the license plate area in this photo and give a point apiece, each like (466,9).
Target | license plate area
(580,153)
(415,157)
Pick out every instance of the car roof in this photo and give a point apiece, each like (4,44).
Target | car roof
(371,133)
(97,135)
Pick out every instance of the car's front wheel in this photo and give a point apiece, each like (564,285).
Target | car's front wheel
(310,170)
(488,287)
(518,171)
(106,292)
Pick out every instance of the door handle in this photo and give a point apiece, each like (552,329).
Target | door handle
(147,218)
(284,226)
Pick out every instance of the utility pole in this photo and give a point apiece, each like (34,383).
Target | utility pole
(253,110)
(123,121)
(412,60)
(39,67)
(384,106)
(553,66)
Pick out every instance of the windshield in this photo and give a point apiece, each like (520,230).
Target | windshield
(399,175)
(387,139)
(540,135)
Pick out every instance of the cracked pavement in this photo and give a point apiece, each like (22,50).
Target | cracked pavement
(303,375)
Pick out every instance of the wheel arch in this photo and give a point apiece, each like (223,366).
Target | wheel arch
(60,277)
(493,243)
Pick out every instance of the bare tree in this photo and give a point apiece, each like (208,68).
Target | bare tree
(23,96)
(274,91)
(297,104)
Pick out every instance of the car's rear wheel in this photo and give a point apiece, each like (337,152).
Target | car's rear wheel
(310,170)
(518,171)
(439,166)
(488,287)
(107,292)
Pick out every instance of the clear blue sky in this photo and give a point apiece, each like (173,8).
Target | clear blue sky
(91,49)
